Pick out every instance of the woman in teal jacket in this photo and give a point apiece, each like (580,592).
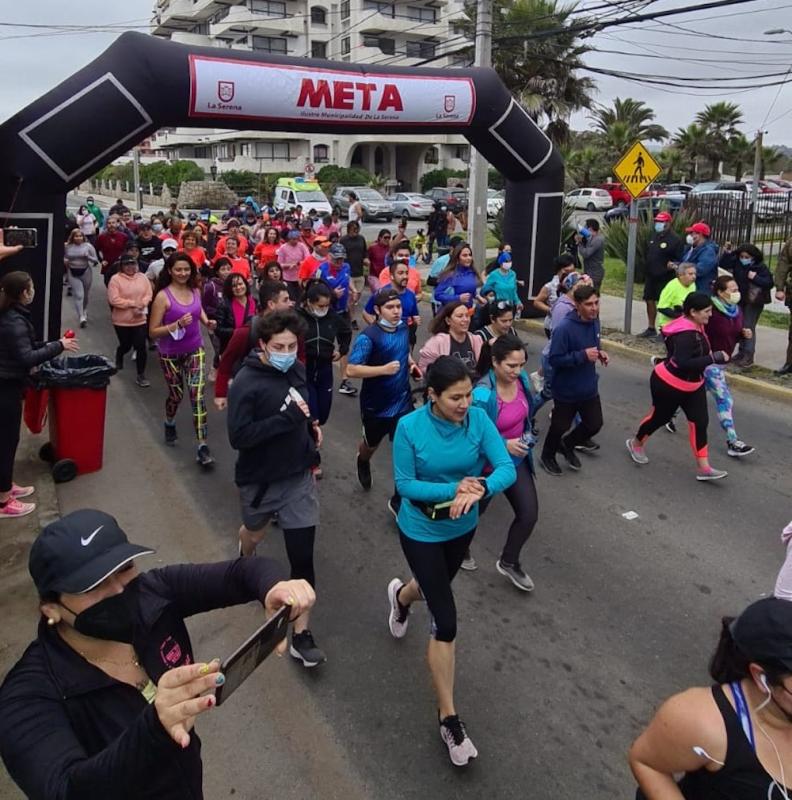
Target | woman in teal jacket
(439,454)
(505,393)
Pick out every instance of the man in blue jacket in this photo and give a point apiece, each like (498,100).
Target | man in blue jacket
(574,353)
(704,254)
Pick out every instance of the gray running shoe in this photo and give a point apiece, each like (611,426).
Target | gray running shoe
(637,453)
(468,563)
(399,615)
(711,474)
(460,748)
(516,575)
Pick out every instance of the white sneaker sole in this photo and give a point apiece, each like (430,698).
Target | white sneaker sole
(506,575)
(17,516)
(740,455)
(296,654)
(712,477)
(393,588)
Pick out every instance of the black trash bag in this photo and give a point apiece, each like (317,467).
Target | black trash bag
(89,371)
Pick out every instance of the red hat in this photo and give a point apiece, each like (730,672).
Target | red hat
(663,216)
(699,227)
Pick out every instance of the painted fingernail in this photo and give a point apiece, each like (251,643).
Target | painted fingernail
(219,679)
(290,600)
(204,670)
(210,701)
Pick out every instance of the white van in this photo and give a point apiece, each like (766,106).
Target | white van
(292,192)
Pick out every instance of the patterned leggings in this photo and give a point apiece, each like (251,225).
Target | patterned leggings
(189,367)
(715,381)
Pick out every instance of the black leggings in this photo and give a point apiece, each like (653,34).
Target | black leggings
(665,401)
(10,419)
(132,337)
(299,548)
(525,504)
(434,565)
(563,413)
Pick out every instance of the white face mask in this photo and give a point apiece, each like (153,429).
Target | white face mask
(319,312)
(689,239)
(734,298)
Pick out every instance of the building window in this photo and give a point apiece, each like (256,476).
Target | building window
(345,9)
(387,46)
(200,27)
(345,48)
(201,152)
(269,44)
(386,9)
(462,152)
(318,49)
(321,154)
(420,49)
(272,8)
(421,13)
(432,156)
(318,15)
(461,61)
(272,151)
(225,152)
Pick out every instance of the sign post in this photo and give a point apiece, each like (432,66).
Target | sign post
(636,170)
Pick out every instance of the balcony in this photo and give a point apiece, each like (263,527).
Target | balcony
(198,39)
(240,18)
(379,22)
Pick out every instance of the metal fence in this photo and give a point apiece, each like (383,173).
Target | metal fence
(731,219)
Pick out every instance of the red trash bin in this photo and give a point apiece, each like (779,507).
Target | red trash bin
(77,421)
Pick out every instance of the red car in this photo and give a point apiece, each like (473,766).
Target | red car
(619,195)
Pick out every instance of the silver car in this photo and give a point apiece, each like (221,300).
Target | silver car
(411,205)
(375,206)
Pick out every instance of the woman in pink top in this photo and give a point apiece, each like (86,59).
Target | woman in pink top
(291,255)
(451,337)
(235,309)
(176,317)
(129,294)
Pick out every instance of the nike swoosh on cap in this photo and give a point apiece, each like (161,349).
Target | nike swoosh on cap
(85,542)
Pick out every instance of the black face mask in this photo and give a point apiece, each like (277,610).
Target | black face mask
(112,619)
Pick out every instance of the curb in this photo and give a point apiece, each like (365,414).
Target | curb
(753,385)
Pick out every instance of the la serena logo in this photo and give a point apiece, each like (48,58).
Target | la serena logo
(349,95)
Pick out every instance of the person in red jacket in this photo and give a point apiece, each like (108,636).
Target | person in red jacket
(111,243)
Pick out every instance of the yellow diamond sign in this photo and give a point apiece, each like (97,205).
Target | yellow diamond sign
(637,169)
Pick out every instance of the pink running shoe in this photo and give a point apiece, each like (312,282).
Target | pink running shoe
(18,492)
(13,508)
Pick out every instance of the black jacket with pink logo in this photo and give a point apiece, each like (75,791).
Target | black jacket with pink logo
(68,731)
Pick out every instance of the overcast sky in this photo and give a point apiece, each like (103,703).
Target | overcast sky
(34,60)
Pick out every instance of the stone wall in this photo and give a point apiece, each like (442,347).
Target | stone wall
(206,194)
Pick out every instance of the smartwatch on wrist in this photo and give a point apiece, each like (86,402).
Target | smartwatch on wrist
(483,482)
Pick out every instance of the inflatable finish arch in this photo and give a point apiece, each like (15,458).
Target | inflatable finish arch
(141,83)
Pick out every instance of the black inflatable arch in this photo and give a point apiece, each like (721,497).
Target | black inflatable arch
(141,83)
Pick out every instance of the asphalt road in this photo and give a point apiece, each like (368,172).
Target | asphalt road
(553,685)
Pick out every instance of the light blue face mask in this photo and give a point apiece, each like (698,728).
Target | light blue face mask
(659,226)
(387,325)
(746,262)
(281,361)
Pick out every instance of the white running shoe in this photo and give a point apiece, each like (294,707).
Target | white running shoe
(460,748)
(398,616)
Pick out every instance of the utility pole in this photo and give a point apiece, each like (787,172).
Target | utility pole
(136,178)
(477,190)
(757,171)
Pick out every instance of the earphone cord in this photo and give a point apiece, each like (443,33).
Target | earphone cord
(773,783)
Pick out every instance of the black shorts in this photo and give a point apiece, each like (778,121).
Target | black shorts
(375,429)
(655,284)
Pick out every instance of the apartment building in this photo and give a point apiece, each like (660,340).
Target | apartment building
(379,34)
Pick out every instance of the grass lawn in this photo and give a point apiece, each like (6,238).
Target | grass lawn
(616,275)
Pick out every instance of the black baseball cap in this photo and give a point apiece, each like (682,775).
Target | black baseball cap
(78,551)
(128,259)
(763,632)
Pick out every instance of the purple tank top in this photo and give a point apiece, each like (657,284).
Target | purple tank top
(192,341)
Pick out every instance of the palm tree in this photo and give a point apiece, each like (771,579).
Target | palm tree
(633,113)
(770,160)
(616,139)
(673,161)
(584,164)
(719,121)
(739,155)
(693,142)
(540,72)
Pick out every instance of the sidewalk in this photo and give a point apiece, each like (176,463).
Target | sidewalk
(771,343)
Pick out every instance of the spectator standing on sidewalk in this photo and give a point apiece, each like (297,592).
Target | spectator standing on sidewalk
(19,353)
(574,354)
(591,248)
(663,251)
(783,284)
(702,252)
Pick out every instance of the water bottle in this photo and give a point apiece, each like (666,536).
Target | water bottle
(528,439)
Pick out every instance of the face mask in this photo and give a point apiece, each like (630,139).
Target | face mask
(734,298)
(111,619)
(507,265)
(319,312)
(689,238)
(388,326)
(157,228)
(746,262)
(659,227)
(283,362)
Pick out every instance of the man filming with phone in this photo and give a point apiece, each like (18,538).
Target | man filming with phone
(103,702)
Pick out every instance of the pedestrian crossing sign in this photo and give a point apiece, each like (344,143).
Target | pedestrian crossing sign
(637,170)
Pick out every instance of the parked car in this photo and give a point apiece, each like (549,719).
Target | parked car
(590,199)
(375,206)
(768,206)
(765,187)
(619,195)
(455,199)
(411,205)
(495,201)
(677,188)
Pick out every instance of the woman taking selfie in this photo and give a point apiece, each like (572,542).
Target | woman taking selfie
(20,352)
(439,454)
(103,702)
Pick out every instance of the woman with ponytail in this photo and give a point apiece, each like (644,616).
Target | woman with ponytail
(730,740)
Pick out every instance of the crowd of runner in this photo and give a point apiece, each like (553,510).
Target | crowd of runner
(287,298)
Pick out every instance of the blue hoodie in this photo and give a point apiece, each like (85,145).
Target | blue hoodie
(705,257)
(574,376)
